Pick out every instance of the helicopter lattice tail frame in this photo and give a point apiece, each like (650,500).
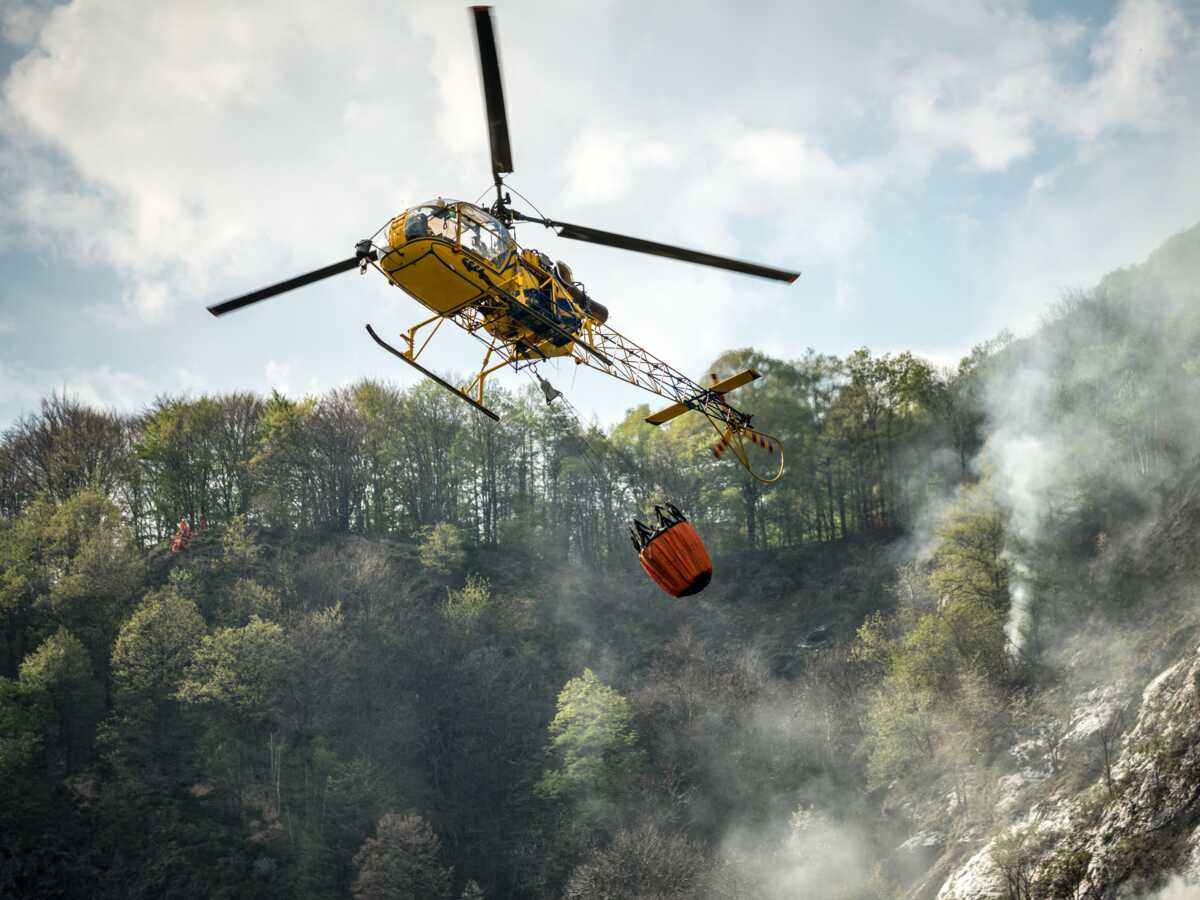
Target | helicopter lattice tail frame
(614,354)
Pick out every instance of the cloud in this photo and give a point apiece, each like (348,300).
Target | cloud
(21,20)
(1094,215)
(315,123)
(232,146)
(252,142)
(1131,85)
(17,391)
(1000,81)
(981,87)
(22,388)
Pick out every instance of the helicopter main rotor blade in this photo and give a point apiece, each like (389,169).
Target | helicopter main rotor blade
(493,91)
(291,284)
(638,245)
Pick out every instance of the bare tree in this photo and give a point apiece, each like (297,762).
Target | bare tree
(1108,737)
(1016,861)
(401,862)
(645,863)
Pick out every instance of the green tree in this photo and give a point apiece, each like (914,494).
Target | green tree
(238,672)
(903,735)
(24,578)
(180,447)
(146,735)
(29,788)
(20,731)
(961,399)
(964,635)
(239,549)
(381,408)
(74,565)
(64,448)
(970,562)
(95,571)
(60,674)
(593,737)
(282,462)
(442,551)
(154,647)
(464,606)
(247,599)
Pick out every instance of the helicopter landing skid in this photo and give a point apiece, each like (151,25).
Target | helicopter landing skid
(420,368)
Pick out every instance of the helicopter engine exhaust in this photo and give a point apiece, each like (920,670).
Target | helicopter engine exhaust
(596,311)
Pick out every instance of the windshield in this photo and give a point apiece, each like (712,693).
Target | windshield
(432,220)
(483,234)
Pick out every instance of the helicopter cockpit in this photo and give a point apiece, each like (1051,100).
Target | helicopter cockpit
(484,234)
(481,233)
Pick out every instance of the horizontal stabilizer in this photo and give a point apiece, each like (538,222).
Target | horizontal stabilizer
(666,415)
(721,387)
(735,381)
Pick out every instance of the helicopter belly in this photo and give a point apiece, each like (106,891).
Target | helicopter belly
(528,343)
(433,273)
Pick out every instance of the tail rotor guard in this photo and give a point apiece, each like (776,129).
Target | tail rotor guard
(734,438)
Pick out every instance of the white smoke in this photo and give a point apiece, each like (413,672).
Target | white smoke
(1019,625)
(1023,457)
(815,857)
(1091,404)
(1178,888)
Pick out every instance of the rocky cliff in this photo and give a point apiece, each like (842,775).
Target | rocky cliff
(1102,796)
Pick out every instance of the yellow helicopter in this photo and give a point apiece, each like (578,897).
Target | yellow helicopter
(464,265)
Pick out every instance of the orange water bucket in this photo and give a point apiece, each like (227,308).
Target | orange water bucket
(677,560)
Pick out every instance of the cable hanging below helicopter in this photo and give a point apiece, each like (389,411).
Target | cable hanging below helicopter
(672,553)
(464,265)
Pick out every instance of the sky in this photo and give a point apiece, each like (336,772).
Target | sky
(938,171)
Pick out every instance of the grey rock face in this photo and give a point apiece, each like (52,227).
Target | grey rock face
(1123,841)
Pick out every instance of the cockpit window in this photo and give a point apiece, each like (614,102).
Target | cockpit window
(431,221)
(483,234)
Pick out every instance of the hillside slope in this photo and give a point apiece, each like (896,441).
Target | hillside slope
(1101,798)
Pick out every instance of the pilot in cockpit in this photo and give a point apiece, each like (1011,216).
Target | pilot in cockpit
(474,241)
(416,225)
